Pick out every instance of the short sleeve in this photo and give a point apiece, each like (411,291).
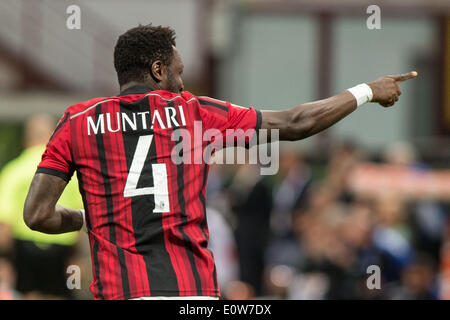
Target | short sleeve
(232,121)
(57,157)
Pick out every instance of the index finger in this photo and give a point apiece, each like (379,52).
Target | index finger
(405,76)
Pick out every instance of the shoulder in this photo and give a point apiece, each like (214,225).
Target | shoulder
(186,95)
(85,106)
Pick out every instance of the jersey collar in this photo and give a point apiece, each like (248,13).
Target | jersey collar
(138,89)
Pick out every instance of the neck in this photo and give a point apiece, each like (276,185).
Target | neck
(149,84)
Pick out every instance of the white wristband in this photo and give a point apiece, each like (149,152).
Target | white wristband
(362,93)
(84,226)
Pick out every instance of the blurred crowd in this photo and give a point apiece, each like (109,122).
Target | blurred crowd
(34,265)
(306,234)
(303,233)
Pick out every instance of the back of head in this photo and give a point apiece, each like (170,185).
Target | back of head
(138,48)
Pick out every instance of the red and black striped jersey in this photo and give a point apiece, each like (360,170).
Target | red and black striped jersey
(145,210)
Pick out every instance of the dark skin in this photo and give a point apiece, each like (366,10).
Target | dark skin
(42,214)
(310,118)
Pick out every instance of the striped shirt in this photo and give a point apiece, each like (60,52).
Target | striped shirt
(145,212)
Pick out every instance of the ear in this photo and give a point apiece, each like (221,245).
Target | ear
(158,71)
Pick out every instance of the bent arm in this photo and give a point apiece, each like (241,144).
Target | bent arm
(41,213)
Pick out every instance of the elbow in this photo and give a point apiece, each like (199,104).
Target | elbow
(33,218)
(30,220)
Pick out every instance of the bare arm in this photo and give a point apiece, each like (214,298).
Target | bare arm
(310,118)
(41,213)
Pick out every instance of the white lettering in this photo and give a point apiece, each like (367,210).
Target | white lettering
(100,124)
(108,122)
(132,124)
(144,121)
(158,117)
(170,115)
(183,120)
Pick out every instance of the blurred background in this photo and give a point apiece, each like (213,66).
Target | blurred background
(373,190)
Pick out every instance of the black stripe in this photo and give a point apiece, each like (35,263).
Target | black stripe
(95,246)
(54,172)
(147,225)
(215,278)
(89,227)
(213,104)
(83,196)
(60,124)
(257,128)
(183,216)
(97,269)
(110,207)
(204,222)
(258,120)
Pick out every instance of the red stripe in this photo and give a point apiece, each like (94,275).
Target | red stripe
(216,110)
(222,103)
(85,150)
(86,179)
(171,220)
(188,283)
(76,129)
(93,286)
(210,260)
(187,229)
(90,168)
(166,217)
(208,256)
(195,212)
(191,174)
(138,273)
(113,157)
(111,258)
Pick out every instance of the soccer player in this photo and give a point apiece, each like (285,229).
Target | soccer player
(144,212)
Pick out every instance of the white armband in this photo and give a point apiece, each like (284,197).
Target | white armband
(84,227)
(362,93)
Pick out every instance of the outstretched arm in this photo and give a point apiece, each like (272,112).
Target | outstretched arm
(41,213)
(310,118)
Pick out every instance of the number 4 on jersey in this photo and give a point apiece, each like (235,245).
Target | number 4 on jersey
(159,189)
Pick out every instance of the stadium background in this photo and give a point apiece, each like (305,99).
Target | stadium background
(372,190)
